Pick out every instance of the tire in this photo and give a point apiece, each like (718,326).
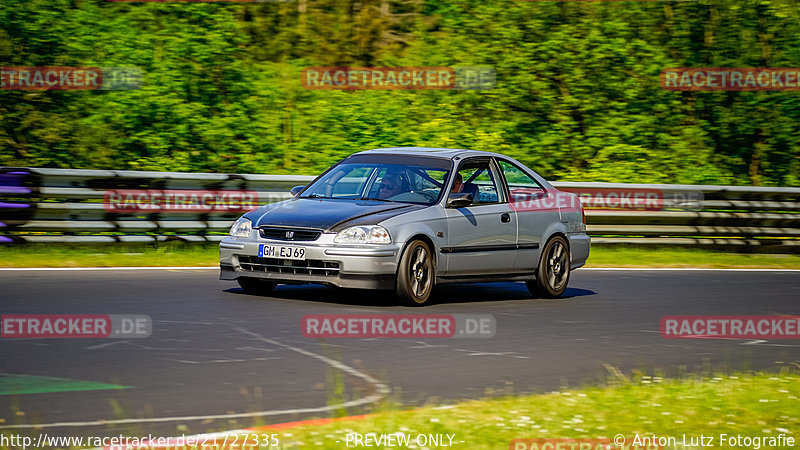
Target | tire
(415,276)
(552,275)
(256,285)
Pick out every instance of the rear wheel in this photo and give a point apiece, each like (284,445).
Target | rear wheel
(552,275)
(415,277)
(256,285)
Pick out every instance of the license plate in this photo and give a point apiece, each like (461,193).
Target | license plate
(281,251)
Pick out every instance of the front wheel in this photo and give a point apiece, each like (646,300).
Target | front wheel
(415,277)
(256,285)
(552,275)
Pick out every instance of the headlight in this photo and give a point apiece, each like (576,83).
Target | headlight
(363,235)
(242,227)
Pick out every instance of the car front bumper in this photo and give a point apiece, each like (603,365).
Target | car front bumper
(362,267)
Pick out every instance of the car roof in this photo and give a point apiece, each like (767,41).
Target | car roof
(448,153)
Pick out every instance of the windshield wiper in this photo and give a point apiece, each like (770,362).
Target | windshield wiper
(378,199)
(314,196)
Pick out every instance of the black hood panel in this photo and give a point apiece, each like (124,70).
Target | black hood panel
(326,214)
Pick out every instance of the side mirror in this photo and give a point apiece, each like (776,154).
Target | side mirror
(296,190)
(459,200)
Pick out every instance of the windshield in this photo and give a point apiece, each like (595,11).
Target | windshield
(390,182)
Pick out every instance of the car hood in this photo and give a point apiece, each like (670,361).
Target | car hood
(326,214)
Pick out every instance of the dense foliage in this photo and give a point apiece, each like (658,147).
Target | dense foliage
(577,94)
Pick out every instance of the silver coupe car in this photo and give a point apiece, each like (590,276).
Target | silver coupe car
(404,219)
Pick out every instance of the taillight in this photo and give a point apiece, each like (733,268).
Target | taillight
(583,215)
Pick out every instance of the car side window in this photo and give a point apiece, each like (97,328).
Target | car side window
(479,179)
(521,186)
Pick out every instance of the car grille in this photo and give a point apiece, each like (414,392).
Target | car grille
(276,265)
(289,234)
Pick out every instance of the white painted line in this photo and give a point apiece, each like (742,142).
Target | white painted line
(51,269)
(108,344)
(762,342)
(224,361)
(381,390)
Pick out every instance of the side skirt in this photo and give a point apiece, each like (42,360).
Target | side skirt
(486,278)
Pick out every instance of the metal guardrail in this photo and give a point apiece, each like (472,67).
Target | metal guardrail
(89,206)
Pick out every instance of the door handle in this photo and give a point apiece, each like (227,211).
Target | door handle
(505,217)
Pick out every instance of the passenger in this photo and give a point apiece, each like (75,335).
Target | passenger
(458,183)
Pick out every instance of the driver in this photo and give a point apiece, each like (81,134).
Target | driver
(393,183)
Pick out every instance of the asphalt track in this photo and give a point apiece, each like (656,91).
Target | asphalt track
(217,353)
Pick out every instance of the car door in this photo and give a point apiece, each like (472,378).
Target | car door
(482,237)
(536,210)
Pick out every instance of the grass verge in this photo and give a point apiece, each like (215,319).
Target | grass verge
(119,255)
(624,256)
(752,405)
(176,254)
